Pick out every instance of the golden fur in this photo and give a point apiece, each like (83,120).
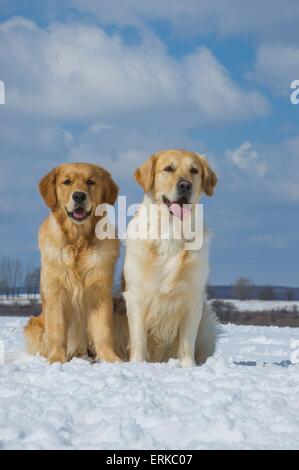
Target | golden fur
(165,284)
(77,269)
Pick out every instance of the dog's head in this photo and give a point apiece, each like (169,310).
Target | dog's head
(76,189)
(176,178)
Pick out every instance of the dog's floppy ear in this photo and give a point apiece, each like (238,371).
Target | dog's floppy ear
(145,174)
(110,187)
(209,178)
(111,191)
(47,188)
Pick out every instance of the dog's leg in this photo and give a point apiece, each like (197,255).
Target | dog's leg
(138,339)
(56,324)
(35,335)
(100,330)
(187,335)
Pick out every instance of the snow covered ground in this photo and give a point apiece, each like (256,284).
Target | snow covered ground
(242,305)
(262,305)
(20,300)
(245,397)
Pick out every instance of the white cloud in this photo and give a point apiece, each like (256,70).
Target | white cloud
(79,72)
(276,165)
(194,17)
(247,158)
(277,65)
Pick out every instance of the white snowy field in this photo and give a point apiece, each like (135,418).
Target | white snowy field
(20,300)
(262,305)
(241,305)
(245,397)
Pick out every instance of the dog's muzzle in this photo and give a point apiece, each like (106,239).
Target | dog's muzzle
(180,208)
(79,212)
(184,188)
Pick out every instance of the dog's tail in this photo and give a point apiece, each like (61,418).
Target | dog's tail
(35,335)
(208,332)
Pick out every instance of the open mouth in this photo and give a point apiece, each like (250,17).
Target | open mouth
(79,214)
(180,208)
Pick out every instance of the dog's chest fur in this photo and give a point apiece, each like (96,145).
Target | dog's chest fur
(167,266)
(75,266)
(79,265)
(168,281)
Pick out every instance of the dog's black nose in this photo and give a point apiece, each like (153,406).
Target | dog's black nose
(184,186)
(79,197)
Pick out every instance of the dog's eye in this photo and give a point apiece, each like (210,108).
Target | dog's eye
(194,170)
(169,168)
(90,182)
(67,182)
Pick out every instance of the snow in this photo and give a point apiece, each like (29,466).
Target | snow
(245,397)
(22,299)
(241,305)
(262,305)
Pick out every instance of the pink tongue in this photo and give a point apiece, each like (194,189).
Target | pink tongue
(180,212)
(79,214)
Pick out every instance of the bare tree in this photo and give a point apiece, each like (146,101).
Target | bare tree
(210,292)
(4,288)
(36,281)
(32,282)
(242,288)
(290,295)
(17,277)
(28,281)
(267,293)
(6,275)
(11,276)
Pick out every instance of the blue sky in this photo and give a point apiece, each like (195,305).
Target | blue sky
(111,82)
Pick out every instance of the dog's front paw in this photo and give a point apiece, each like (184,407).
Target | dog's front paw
(57,356)
(108,356)
(188,361)
(136,358)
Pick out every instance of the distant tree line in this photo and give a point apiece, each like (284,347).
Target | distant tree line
(227,312)
(16,278)
(245,289)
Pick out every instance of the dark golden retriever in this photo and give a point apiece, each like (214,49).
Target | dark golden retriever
(76,268)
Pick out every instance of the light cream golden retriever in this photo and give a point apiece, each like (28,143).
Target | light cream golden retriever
(165,283)
(76,268)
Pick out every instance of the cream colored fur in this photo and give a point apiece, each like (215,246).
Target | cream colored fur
(165,284)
